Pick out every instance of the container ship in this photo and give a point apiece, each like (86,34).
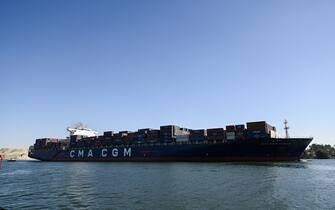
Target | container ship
(255,141)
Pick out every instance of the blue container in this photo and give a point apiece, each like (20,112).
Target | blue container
(197,138)
(257,134)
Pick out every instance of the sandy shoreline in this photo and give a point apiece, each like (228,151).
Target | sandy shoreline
(17,154)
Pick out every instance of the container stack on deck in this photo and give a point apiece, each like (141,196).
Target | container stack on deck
(166,134)
(198,135)
(240,132)
(182,135)
(153,135)
(47,143)
(235,142)
(128,137)
(259,129)
(230,132)
(216,134)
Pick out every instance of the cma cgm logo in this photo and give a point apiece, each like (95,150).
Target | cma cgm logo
(125,152)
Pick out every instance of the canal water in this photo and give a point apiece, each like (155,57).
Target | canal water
(79,185)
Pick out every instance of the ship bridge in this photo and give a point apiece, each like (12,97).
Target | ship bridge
(81,130)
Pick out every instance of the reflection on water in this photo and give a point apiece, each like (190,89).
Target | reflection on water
(282,185)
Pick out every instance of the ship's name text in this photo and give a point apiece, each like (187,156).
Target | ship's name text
(115,152)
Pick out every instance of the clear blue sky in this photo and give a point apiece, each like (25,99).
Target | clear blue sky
(128,64)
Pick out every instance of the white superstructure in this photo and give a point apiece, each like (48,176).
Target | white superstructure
(81,130)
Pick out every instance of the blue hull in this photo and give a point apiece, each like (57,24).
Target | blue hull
(243,150)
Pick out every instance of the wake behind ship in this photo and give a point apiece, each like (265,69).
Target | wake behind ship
(257,141)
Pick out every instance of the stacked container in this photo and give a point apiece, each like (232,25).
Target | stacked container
(198,135)
(142,134)
(273,133)
(130,137)
(123,133)
(50,143)
(215,134)
(240,132)
(108,133)
(182,131)
(167,133)
(182,134)
(101,141)
(43,142)
(117,138)
(258,129)
(90,141)
(230,132)
(153,135)
(170,133)
(182,138)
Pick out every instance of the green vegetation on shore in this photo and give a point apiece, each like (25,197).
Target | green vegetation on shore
(319,151)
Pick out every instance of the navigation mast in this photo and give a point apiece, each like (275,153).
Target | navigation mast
(286,129)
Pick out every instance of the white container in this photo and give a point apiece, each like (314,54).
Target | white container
(273,134)
(230,135)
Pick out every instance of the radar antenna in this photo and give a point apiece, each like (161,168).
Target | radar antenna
(286,129)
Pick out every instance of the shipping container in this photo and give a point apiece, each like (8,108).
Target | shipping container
(230,135)
(197,138)
(153,135)
(117,141)
(173,130)
(215,132)
(182,138)
(144,130)
(198,135)
(215,138)
(123,133)
(240,127)
(167,140)
(260,126)
(182,131)
(168,128)
(257,134)
(273,134)
(130,137)
(240,135)
(230,128)
(108,133)
(116,137)
(168,132)
(199,132)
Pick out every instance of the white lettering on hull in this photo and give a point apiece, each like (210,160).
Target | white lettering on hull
(81,153)
(104,153)
(115,152)
(90,153)
(127,152)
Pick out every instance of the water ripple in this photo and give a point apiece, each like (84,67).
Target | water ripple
(43,185)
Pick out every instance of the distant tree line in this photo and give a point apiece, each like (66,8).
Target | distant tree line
(319,151)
